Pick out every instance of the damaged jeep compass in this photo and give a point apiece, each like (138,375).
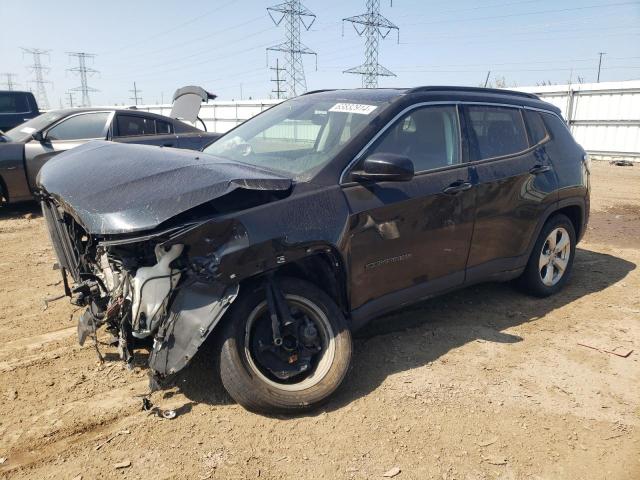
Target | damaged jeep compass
(301,224)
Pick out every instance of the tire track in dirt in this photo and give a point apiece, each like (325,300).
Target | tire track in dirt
(70,424)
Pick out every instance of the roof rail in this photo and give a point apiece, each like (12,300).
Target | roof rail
(474,90)
(318,91)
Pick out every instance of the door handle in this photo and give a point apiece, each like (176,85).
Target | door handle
(457,187)
(167,144)
(538,169)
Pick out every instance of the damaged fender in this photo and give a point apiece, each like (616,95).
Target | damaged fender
(194,313)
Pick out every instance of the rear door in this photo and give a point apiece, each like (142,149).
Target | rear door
(130,128)
(411,239)
(515,184)
(69,132)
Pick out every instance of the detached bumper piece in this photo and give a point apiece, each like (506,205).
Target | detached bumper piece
(194,313)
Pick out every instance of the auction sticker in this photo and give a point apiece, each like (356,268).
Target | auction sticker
(353,108)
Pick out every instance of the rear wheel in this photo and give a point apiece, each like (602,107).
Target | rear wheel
(551,260)
(302,370)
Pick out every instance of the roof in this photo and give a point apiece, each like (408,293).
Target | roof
(448,92)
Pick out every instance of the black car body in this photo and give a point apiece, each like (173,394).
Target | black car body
(308,220)
(25,148)
(15,108)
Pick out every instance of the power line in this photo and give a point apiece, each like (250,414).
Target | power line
(83,72)
(39,71)
(9,82)
(537,12)
(135,92)
(295,16)
(278,80)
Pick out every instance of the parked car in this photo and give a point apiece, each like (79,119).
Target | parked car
(300,225)
(25,148)
(16,108)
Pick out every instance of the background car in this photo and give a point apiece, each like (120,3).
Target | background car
(16,108)
(25,148)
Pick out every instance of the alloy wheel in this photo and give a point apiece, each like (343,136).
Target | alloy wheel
(554,256)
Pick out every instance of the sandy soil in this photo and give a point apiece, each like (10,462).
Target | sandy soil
(481,383)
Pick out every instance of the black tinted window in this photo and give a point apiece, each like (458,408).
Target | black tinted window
(130,125)
(162,127)
(498,131)
(428,136)
(537,130)
(79,127)
(13,102)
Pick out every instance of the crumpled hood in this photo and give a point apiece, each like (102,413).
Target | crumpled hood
(113,188)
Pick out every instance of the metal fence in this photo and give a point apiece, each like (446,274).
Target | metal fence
(604,117)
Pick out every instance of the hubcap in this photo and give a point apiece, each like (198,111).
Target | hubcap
(554,256)
(306,354)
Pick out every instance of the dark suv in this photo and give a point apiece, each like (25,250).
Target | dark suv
(298,226)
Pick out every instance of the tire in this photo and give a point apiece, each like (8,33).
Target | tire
(544,275)
(250,384)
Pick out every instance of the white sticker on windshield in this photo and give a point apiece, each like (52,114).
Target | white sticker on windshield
(27,130)
(353,108)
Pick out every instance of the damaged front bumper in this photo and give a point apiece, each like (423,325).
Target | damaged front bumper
(145,291)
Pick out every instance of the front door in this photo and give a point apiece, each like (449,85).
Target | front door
(66,134)
(408,240)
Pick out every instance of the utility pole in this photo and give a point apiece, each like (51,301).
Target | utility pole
(39,71)
(600,64)
(70,99)
(486,80)
(9,82)
(373,27)
(295,16)
(135,92)
(83,72)
(278,80)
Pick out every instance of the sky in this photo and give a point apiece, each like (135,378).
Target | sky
(221,45)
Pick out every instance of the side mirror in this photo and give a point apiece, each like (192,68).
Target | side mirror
(38,136)
(385,167)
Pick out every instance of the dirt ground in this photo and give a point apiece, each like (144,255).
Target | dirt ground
(481,383)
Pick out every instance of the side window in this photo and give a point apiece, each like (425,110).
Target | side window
(80,127)
(130,125)
(498,131)
(429,136)
(537,130)
(163,128)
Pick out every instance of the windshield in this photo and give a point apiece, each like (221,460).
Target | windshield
(23,132)
(297,137)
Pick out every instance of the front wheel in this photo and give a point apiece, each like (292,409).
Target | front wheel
(551,260)
(303,369)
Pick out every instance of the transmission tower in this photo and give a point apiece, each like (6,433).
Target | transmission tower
(373,27)
(38,71)
(9,82)
(295,15)
(83,71)
(135,92)
(278,80)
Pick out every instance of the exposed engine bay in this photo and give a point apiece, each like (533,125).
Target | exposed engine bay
(144,291)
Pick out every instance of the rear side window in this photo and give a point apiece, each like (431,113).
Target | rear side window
(428,136)
(496,131)
(163,127)
(537,130)
(80,127)
(13,102)
(130,125)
